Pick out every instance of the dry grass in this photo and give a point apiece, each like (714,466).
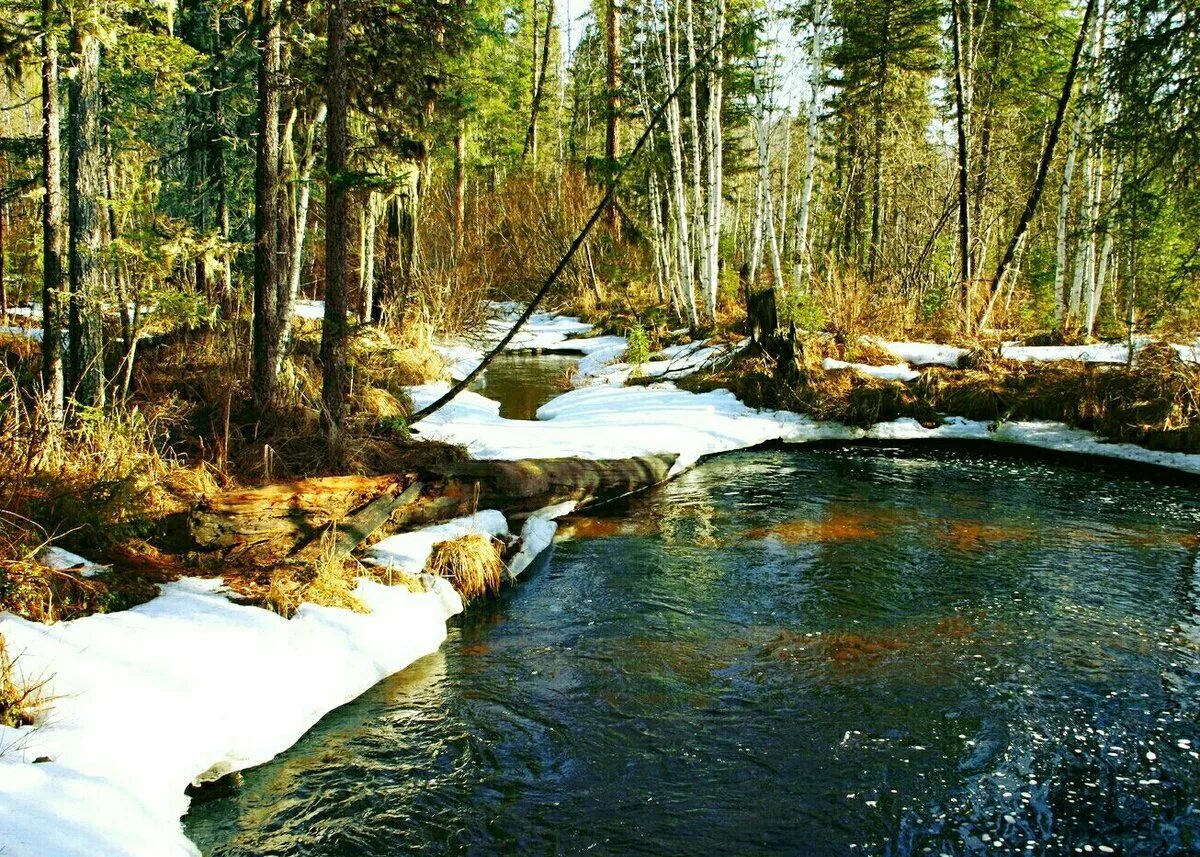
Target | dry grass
(19,704)
(329,582)
(472,563)
(1155,403)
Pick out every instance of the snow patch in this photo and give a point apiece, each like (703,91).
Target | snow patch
(185,687)
(63,560)
(897,372)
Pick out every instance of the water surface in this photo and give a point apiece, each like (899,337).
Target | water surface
(523,382)
(816,651)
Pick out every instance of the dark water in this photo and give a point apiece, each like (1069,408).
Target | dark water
(833,651)
(522,383)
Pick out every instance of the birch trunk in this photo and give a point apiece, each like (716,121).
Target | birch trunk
(52,225)
(1064,207)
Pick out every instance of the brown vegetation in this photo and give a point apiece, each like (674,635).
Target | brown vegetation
(472,563)
(1155,402)
(19,703)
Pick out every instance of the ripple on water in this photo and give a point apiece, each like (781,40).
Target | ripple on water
(824,651)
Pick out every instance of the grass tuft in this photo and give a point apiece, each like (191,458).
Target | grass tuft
(472,563)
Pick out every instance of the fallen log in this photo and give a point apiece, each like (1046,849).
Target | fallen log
(268,524)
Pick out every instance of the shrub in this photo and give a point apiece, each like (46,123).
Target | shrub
(638,351)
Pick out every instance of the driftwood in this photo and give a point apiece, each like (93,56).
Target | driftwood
(289,518)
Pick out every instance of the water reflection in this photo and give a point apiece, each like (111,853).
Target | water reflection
(831,651)
(522,383)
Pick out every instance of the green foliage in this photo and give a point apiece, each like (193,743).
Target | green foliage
(638,350)
(800,308)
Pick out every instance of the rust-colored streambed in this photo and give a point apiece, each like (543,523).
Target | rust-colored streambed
(813,651)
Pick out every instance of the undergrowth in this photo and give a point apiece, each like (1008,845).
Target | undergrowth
(19,701)
(1154,403)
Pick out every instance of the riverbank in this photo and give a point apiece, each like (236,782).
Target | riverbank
(204,706)
(190,686)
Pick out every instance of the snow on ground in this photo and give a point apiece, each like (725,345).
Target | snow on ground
(63,560)
(544,331)
(309,309)
(622,422)
(461,358)
(34,333)
(932,354)
(186,686)
(672,362)
(1101,352)
(192,686)
(922,353)
(410,551)
(603,422)
(897,372)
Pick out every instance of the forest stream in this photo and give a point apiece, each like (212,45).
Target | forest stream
(831,650)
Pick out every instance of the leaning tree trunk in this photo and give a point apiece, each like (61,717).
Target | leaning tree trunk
(85,174)
(337,233)
(52,225)
(1039,182)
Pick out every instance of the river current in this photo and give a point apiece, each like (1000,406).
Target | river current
(838,650)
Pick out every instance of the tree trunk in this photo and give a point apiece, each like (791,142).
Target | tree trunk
(267,198)
(3,282)
(84,192)
(1064,207)
(716,154)
(460,183)
(52,228)
(539,79)
(370,229)
(612,84)
(962,104)
(812,139)
(333,330)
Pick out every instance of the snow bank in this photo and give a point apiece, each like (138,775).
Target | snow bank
(897,372)
(308,309)
(624,422)
(184,687)
(410,551)
(931,354)
(1101,352)
(604,422)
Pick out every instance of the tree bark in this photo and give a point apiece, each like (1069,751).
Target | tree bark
(539,80)
(962,119)
(460,183)
(84,192)
(267,275)
(52,226)
(1064,208)
(333,330)
(612,82)
(812,139)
